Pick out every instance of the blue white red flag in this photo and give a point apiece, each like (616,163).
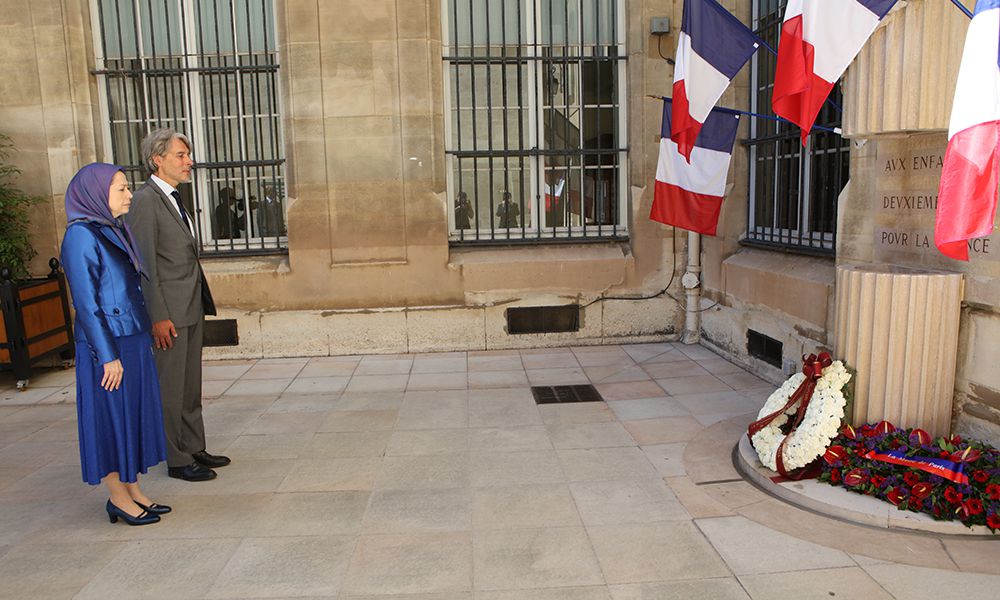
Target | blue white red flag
(712,47)
(689,194)
(819,39)
(967,196)
(553,193)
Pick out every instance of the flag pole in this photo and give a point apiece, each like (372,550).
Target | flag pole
(734,111)
(962,8)
(692,289)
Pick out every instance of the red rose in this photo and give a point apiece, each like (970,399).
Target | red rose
(895,496)
(868,431)
(855,477)
(993,491)
(834,454)
(973,506)
(834,475)
(911,478)
(884,427)
(849,432)
(878,480)
(952,495)
(921,490)
(944,454)
(919,437)
(980,476)
(993,522)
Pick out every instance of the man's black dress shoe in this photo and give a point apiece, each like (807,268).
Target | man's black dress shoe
(212,461)
(191,472)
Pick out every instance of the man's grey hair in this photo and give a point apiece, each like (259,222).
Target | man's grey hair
(156,144)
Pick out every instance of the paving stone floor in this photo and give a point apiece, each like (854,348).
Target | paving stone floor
(436,477)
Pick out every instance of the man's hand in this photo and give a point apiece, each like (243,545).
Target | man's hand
(112,375)
(164,334)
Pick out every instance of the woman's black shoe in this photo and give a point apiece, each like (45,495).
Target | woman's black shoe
(154,508)
(115,513)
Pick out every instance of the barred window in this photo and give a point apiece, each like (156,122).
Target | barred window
(793,190)
(536,134)
(207,68)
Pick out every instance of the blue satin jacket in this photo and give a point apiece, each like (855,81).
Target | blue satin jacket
(105,288)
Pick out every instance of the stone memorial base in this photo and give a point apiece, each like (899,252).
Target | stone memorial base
(839,503)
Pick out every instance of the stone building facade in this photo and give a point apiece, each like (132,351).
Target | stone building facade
(369,266)
(371,257)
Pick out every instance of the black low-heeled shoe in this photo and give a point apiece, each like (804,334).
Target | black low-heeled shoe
(115,513)
(154,508)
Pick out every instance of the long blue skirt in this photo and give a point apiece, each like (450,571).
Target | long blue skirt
(120,431)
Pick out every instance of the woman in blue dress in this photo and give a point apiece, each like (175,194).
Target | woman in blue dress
(119,416)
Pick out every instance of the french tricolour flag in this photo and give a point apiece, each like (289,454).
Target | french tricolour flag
(967,197)
(552,193)
(712,47)
(689,195)
(819,39)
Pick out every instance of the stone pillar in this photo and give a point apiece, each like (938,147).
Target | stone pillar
(899,328)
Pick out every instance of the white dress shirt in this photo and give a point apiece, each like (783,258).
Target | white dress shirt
(169,191)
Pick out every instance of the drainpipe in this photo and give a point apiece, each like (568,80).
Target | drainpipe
(692,287)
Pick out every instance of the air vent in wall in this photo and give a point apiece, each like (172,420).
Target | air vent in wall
(763,347)
(543,319)
(221,332)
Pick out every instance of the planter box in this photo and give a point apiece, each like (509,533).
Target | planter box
(36,323)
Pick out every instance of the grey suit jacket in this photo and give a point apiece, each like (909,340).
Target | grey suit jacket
(176,288)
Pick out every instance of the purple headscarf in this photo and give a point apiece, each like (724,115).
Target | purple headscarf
(87,200)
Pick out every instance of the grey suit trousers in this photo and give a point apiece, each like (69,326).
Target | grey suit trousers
(180,387)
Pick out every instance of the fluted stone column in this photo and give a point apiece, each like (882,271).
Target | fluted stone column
(899,328)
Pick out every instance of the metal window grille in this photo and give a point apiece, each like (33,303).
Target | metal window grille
(536,134)
(207,68)
(793,190)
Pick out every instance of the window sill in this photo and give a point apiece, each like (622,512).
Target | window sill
(797,285)
(221,264)
(537,241)
(787,248)
(581,268)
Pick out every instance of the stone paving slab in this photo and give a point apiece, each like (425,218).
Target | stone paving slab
(436,477)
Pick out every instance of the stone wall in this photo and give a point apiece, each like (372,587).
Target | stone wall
(784,296)
(898,122)
(889,219)
(47,106)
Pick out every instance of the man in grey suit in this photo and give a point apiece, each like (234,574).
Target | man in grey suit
(177,297)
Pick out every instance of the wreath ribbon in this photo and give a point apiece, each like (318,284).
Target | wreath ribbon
(947,469)
(812,368)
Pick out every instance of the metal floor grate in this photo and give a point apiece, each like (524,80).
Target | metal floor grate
(561,394)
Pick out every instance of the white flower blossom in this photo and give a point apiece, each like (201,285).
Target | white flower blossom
(819,425)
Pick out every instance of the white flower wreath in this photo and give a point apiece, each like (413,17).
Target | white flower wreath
(819,425)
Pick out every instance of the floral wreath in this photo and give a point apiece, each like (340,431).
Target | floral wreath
(948,478)
(815,399)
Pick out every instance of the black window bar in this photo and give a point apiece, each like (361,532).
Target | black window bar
(207,68)
(536,145)
(793,190)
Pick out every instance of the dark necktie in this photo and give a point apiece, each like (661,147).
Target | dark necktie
(180,208)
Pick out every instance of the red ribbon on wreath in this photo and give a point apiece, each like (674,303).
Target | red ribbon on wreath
(812,368)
